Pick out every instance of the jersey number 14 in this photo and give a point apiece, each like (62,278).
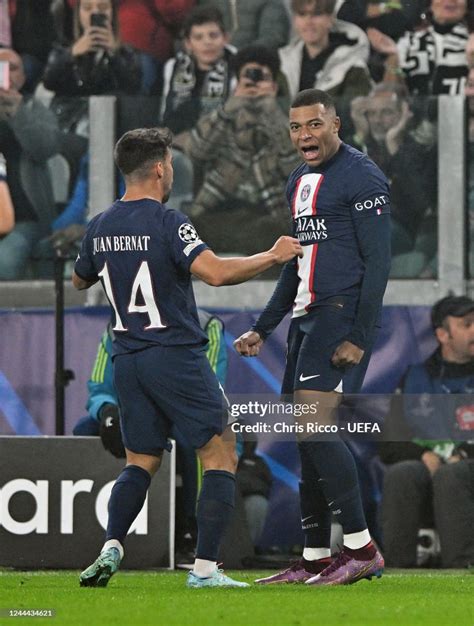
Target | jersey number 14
(143,282)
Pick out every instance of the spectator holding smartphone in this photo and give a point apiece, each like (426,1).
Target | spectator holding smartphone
(151,26)
(96,63)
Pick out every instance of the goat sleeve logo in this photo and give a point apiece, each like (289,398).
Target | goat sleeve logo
(376,203)
(304,195)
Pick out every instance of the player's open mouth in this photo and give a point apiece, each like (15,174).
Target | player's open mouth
(310,152)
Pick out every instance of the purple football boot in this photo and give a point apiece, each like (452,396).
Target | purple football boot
(299,572)
(345,570)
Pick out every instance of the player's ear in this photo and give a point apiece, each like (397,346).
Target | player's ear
(337,124)
(159,169)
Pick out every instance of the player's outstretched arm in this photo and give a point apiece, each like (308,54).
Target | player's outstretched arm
(216,271)
(80,283)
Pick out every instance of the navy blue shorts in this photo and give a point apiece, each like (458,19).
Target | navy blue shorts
(312,341)
(164,386)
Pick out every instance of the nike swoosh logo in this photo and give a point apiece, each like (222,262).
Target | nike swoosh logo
(303,519)
(303,378)
(301,211)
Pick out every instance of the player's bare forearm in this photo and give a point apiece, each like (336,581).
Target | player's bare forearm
(80,284)
(235,270)
(218,272)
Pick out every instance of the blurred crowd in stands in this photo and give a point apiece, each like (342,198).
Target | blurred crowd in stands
(221,75)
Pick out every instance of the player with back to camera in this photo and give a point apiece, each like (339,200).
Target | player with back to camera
(144,255)
(340,207)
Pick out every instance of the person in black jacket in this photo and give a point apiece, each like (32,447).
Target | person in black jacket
(96,63)
(428,479)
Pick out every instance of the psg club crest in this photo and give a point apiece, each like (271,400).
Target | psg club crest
(304,195)
(187,233)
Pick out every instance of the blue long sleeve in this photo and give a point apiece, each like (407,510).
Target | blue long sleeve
(281,301)
(373,235)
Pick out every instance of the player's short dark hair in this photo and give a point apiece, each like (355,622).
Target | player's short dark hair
(308,97)
(137,150)
(320,7)
(257,54)
(203,15)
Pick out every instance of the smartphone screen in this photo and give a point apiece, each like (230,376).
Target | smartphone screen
(4,75)
(99,19)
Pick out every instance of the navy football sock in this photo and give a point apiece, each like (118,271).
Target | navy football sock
(334,463)
(126,500)
(315,513)
(214,510)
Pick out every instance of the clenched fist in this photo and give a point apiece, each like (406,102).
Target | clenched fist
(248,344)
(285,248)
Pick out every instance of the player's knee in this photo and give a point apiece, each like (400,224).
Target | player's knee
(220,457)
(147,462)
(155,466)
(227,463)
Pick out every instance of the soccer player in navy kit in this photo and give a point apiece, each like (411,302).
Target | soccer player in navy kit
(144,255)
(340,207)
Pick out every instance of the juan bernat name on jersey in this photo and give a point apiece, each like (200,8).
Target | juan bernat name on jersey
(311,228)
(121,243)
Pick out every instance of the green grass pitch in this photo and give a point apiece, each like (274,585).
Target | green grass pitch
(400,598)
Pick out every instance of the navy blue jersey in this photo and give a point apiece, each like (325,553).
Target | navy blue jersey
(327,205)
(142,251)
(340,214)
